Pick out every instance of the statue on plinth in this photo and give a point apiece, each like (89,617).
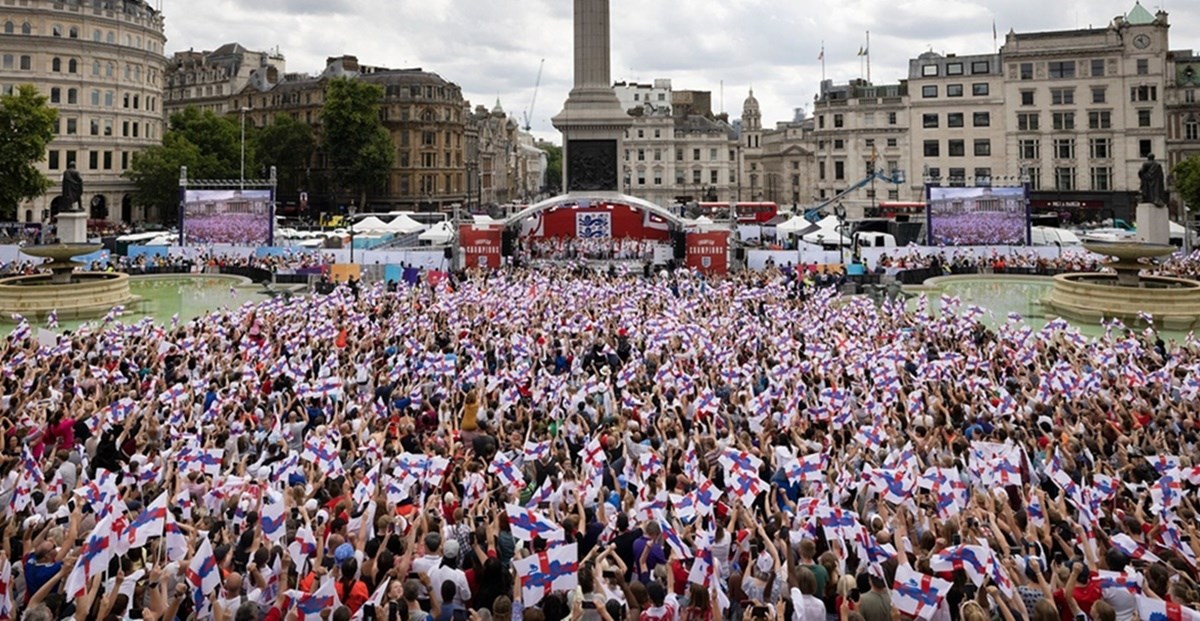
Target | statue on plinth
(72,189)
(1154,185)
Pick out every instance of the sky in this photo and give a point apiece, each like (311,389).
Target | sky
(492,48)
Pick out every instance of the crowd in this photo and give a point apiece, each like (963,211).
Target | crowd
(996,262)
(540,446)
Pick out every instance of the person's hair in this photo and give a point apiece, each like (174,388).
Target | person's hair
(1044,610)
(1115,559)
(807,581)
(533,614)
(449,591)
(652,529)
(1103,611)
(846,584)
(349,575)
(657,593)
(412,589)
(698,597)
(341,613)
(972,611)
(433,542)
(502,607)
(640,595)
(808,548)
(877,582)
(247,612)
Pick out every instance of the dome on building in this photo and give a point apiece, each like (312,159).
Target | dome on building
(751,103)
(1139,16)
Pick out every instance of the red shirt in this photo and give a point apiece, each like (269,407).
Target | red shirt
(1085,596)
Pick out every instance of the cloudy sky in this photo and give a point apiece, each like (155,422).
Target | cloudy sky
(492,48)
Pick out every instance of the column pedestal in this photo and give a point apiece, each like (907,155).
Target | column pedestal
(72,227)
(1153,224)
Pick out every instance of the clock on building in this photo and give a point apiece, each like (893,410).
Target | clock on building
(1141,41)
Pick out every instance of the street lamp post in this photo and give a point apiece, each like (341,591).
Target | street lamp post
(840,211)
(352,209)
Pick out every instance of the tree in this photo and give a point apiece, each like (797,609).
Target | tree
(357,145)
(288,145)
(30,126)
(1187,181)
(554,163)
(209,145)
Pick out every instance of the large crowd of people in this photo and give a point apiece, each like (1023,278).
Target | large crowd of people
(537,445)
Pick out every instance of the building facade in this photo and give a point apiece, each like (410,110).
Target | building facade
(207,80)
(1183,109)
(676,149)
(101,64)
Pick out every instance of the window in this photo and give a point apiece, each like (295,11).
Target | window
(696,177)
(935,174)
(1100,148)
(696,155)
(658,155)
(108,102)
(26,28)
(56,31)
(1143,93)
(8,28)
(954,69)
(891,142)
(1101,178)
(1099,94)
(73,32)
(929,70)
(8,61)
(657,176)
(979,66)
(56,65)
(954,90)
(956,148)
(678,155)
(1099,119)
(96,36)
(125,160)
(95,98)
(821,170)
(1062,96)
(1027,121)
(1063,121)
(1064,148)
(95,67)
(108,160)
(53,160)
(981,119)
(1035,178)
(641,155)
(869,119)
(1191,128)
(983,147)
(1061,70)
(821,122)
(1097,67)
(125,132)
(72,66)
(1143,118)
(641,132)
(55,95)
(1143,66)
(958,177)
(95,127)
(658,133)
(1189,96)
(712,155)
(712,177)
(1029,149)
(1026,71)
(954,119)
(932,149)
(94,160)
(891,118)
(983,177)
(979,89)
(838,121)
(929,120)
(839,144)
(1027,98)
(70,158)
(929,91)
(839,171)
(1064,178)
(1145,147)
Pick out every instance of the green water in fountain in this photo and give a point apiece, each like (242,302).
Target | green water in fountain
(187,296)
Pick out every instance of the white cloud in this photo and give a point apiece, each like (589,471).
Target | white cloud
(492,48)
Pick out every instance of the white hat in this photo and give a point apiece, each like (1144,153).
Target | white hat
(310,505)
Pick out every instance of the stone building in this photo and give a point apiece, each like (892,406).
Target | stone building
(1183,108)
(206,80)
(101,64)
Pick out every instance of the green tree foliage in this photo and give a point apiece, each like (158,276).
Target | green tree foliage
(209,145)
(554,166)
(356,144)
(288,145)
(1187,181)
(29,124)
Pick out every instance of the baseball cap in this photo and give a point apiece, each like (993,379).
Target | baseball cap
(343,552)
(450,549)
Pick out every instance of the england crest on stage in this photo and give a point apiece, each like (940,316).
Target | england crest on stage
(593,225)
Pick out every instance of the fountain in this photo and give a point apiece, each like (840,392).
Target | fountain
(71,294)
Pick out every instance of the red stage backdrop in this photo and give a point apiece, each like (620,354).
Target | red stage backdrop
(708,252)
(481,246)
(627,222)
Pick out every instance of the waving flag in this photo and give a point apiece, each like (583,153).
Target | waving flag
(838,523)
(672,538)
(527,524)
(735,460)
(1133,549)
(544,494)
(202,573)
(6,598)
(544,573)
(593,454)
(93,559)
(535,451)
(916,594)
(708,402)
(149,523)
(1159,610)
(1167,493)
(807,468)
(303,547)
(872,437)
(1037,514)
(273,521)
(174,540)
(1131,582)
(309,606)
(974,560)
(506,471)
(894,486)
(649,465)
(1163,463)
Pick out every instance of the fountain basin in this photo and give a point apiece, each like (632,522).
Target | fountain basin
(1174,303)
(1126,257)
(88,294)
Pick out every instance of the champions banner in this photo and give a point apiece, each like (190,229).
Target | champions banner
(480,246)
(708,252)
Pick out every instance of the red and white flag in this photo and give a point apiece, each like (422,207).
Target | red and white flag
(918,595)
(541,574)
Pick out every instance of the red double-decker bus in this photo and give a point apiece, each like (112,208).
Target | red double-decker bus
(747,213)
(892,209)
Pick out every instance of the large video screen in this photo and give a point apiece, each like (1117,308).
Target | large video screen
(238,217)
(978,217)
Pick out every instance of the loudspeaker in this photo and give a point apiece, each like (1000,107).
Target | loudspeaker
(507,239)
(680,244)
(448,253)
(739,254)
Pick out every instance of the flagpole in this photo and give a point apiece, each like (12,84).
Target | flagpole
(822,61)
(868,57)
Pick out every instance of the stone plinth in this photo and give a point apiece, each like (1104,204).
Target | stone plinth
(72,227)
(1153,224)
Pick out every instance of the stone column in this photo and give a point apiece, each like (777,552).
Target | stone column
(592,44)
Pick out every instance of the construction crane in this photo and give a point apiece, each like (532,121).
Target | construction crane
(814,213)
(533,100)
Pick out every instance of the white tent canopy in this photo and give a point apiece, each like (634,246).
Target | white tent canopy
(827,233)
(403,224)
(370,223)
(440,233)
(795,224)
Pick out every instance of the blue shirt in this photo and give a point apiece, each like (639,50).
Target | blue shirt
(38,574)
